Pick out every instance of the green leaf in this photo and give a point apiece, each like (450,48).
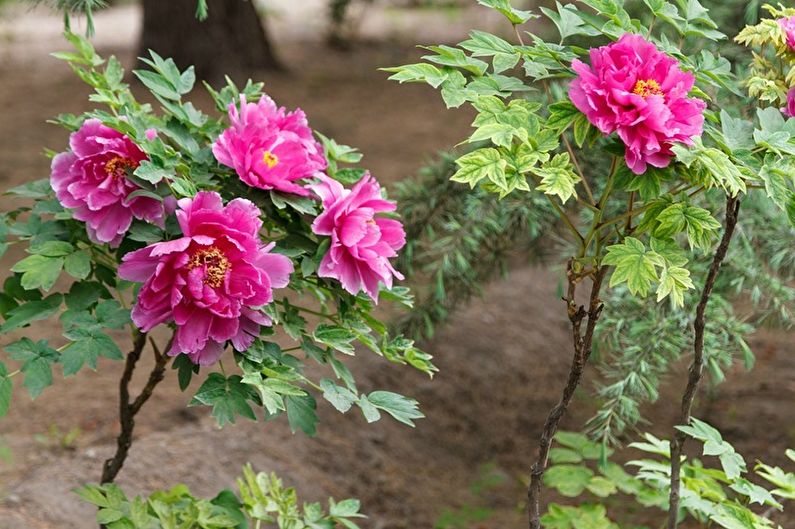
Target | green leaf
(92,494)
(601,487)
(480,164)
(32,311)
(39,271)
(143,232)
(403,409)
(564,455)
(6,388)
(674,282)
(339,397)
(562,115)
(568,480)
(482,44)
(107,516)
(88,344)
(739,133)
(568,22)
(418,73)
(336,337)
(110,314)
(370,412)
(720,167)
(582,128)
(345,509)
(82,295)
(185,369)
(37,359)
(498,133)
(633,265)
(454,57)
(227,396)
(699,223)
(51,248)
(78,264)
(301,414)
(777,174)
(38,189)
(157,84)
(666,11)
(514,16)
(558,177)
(152,173)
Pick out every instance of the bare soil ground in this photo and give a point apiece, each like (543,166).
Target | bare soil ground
(502,360)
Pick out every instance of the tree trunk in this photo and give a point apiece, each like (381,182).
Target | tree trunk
(232,40)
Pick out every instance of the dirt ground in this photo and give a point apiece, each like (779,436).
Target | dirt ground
(501,361)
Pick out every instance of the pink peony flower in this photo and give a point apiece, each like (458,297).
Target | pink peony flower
(91,179)
(788,27)
(361,245)
(636,90)
(270,148)
(789,110)
(211,281)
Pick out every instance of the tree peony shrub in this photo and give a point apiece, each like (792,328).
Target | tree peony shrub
(234,234)
(638,206)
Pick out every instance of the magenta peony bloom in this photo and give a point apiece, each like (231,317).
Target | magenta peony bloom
(788,26)
(270,148)
(91,179)
(789,110)
(211,281)
(361,244)
(636,90)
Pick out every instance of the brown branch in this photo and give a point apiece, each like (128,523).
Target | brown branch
(582,342)
(127,408)
(697,367)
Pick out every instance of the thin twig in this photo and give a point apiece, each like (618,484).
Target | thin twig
(697,367)
(127,408)
(518,35)
(582,342)
(630,205)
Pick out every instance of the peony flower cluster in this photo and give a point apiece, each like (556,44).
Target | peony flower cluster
(361,244)
(639,92)
(91,179)
(787,25)
(212,281)
(270,148)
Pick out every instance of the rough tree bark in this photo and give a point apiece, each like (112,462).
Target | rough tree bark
(232,40)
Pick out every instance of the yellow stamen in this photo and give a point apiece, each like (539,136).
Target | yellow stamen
(647,88)
(270,159)
(118,166)
(215,265)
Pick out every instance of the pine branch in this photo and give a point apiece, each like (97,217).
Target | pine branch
(459,240)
